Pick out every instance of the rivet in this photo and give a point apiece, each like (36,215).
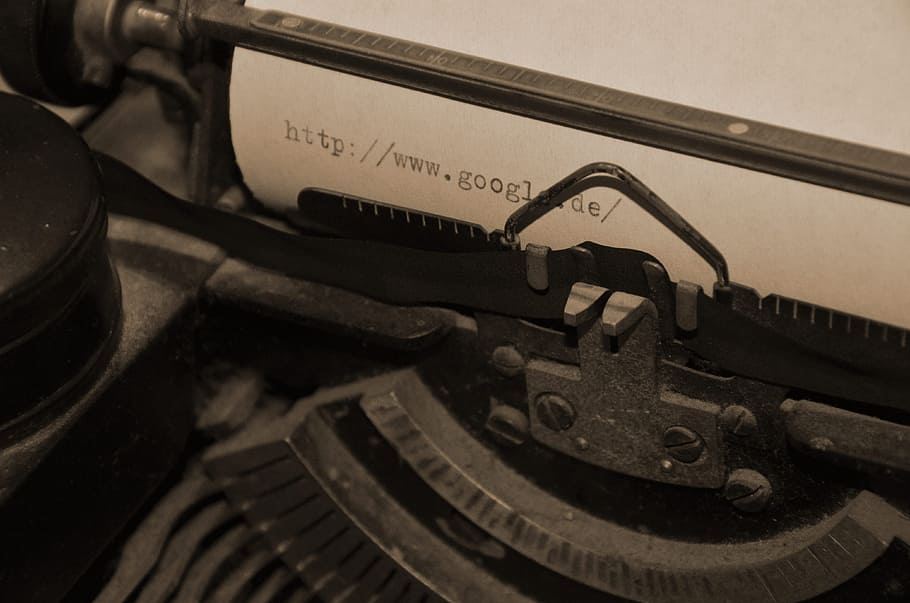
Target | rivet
(508,361)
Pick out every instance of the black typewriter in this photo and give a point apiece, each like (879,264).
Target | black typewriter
(204,400)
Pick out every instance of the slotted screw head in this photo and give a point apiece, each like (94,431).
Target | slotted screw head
(508,424)
(748,490)
(555,412)
(683,444)
(738,420)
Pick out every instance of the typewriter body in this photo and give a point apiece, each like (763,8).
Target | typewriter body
(204,400)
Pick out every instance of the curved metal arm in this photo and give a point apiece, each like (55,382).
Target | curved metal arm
(612,176)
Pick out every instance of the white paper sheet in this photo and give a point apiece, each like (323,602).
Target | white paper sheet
(836,69)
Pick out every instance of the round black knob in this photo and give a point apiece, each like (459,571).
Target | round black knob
(59,294)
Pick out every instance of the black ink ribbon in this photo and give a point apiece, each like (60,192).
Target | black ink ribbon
(496,281)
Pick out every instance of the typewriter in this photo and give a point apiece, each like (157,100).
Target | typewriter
(205,399)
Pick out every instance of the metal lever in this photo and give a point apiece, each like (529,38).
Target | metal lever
(612,176)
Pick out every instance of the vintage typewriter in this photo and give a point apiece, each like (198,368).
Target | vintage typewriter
(204,399)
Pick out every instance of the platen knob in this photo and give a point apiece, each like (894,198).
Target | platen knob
(39,54)
(59,294)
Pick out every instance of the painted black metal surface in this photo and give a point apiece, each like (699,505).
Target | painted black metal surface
(639,564)
(282,298)
(530,526)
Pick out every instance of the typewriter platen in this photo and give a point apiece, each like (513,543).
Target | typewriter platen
(206,401)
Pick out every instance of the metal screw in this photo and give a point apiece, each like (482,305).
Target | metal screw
(555,412)
(508,361)
(748,490)
(738,420)
(683,444)
(509,424)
